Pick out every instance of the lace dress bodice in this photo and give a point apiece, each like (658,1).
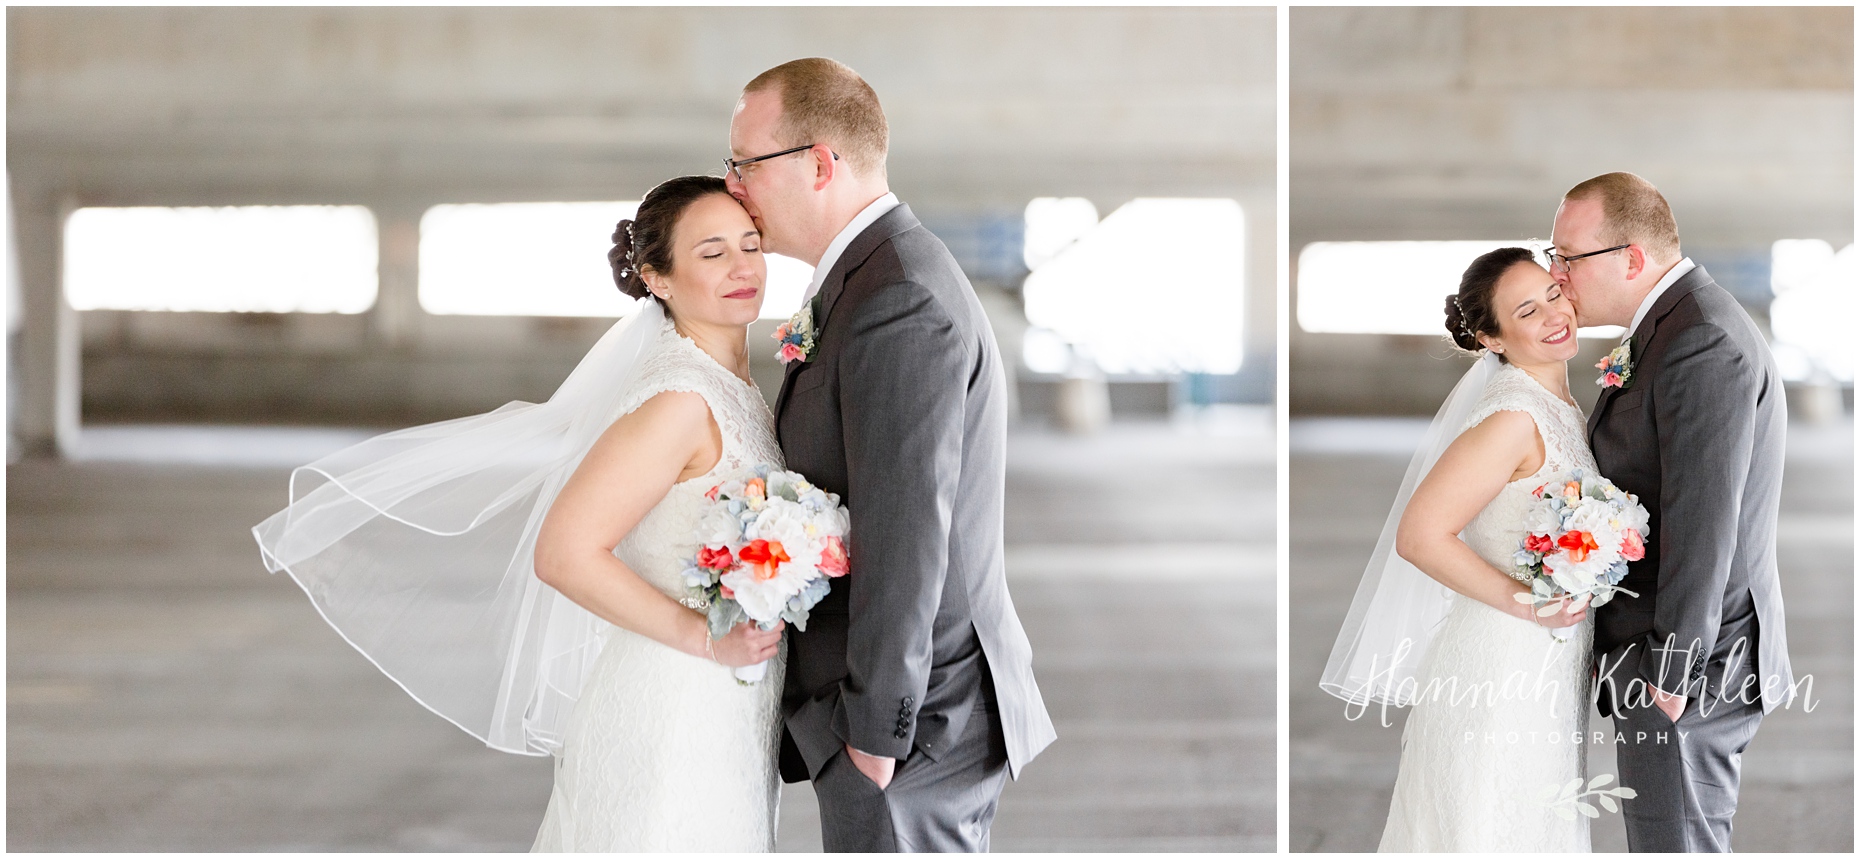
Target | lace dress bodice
(657,546)
(666,751)
(1495,532)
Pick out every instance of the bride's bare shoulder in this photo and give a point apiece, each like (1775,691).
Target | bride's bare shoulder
(1500,427)
(1506,438)
(669,414)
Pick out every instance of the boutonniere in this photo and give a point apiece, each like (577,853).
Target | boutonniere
(1618,367)
(796,336)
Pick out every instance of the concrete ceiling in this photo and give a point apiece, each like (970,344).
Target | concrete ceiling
(985,105)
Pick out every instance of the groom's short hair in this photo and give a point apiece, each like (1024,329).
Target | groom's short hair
(1633,211)
(824,101)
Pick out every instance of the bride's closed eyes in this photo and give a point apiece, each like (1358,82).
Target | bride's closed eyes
(1555,296)
(752,245)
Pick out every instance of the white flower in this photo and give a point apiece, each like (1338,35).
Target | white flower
(719,526)
(1543,519)
(1592,517)
(1596,518)
(763,599)
(1632,515)
(782,484)
(832,520)
(785,522)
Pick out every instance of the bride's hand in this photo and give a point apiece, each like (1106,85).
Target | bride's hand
(1567,614)
(747,644)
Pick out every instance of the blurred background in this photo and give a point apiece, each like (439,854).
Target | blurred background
(242,238)
(1422,137)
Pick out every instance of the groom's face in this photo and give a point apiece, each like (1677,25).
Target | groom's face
(1591,284)
(774,192)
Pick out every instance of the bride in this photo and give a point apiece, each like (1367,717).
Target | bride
(518,572)
(1498,701)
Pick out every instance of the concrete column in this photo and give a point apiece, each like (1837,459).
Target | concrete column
(396,316)
(1258,376)
(47,348)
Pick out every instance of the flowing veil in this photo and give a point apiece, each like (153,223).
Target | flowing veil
(418,547)
(1398,608)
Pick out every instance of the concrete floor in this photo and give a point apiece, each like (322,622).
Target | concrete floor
(164,693)
(1797,792)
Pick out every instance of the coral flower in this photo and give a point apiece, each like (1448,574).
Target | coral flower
(715,559)
(790,353)
(756,488)
(764,558)
(1632,548)
(1540,545)
(1579,544)
(833,560)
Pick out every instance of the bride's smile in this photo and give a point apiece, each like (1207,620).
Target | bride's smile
(1536,326)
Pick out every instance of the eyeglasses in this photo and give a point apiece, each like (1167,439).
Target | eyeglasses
(733,167)
(1561,263)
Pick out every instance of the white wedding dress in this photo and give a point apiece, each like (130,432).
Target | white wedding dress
(666,751)
(1510,713)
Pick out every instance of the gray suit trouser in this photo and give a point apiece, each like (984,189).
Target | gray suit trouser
(962,788)
(1685,775)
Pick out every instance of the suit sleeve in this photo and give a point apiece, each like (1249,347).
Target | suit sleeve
(903,383)
(1705,402)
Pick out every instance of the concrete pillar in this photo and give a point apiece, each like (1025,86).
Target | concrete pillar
(47,348)
(395,318)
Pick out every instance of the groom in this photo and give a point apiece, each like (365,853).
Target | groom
(1689,666)
(910,698)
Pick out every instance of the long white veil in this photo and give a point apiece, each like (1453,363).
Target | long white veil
(1398,608)
(417,546)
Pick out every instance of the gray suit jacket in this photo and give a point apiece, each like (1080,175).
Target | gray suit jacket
(1698,435)
(900,410)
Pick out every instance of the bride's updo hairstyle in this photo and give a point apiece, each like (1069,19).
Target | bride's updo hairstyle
(645,240)
(1469,311)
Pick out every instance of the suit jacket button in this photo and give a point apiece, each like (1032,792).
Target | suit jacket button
(908,701)
(900,733)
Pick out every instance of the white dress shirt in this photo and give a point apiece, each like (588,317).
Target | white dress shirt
(1678,271)
(866,216)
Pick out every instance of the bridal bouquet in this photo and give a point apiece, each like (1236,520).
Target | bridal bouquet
(1580,535)
(767,544)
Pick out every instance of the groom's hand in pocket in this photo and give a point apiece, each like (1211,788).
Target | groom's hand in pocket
(875,767)
(1671,705)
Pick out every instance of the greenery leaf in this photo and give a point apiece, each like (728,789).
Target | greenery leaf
(1607,802)
(1587,810)
(1624,792)
(1575,784)
(1564,812)
(1600,780)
